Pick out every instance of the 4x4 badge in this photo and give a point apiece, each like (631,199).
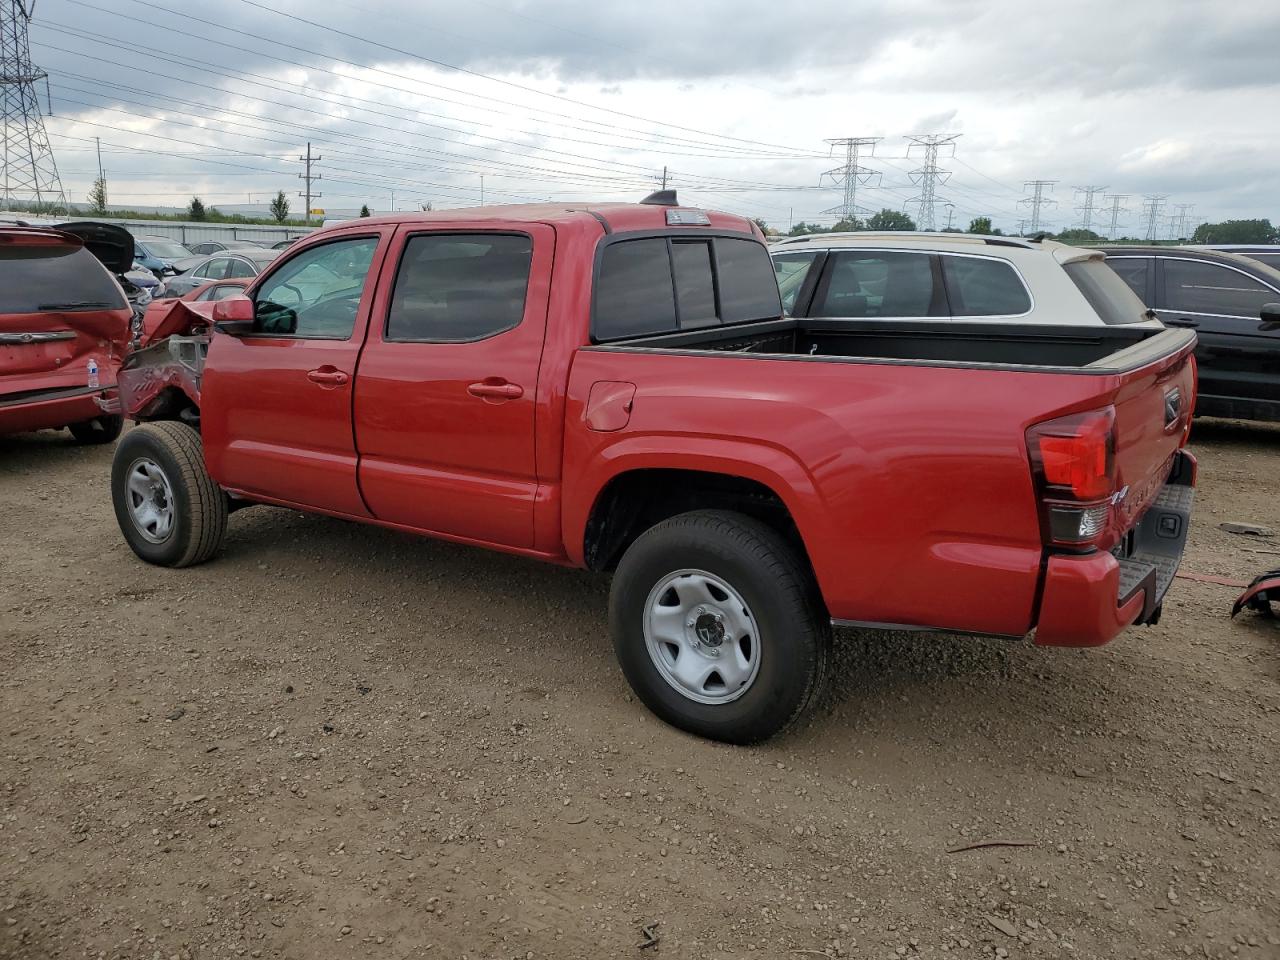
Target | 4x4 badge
(1172,406)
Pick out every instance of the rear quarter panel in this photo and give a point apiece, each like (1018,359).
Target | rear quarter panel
(909,484)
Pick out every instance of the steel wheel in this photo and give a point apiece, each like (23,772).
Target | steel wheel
(701,637)
(150,500)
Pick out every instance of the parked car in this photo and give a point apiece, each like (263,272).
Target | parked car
(950,276)
(64,328)
(284,244)
(616,388)
(159,254)
(1233,304)
(240,264)
(1268,254)
(206,247)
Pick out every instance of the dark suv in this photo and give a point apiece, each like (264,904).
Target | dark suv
(1233,302)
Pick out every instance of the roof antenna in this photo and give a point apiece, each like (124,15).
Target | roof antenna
(662,198)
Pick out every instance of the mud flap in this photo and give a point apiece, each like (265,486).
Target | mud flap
(1262,592)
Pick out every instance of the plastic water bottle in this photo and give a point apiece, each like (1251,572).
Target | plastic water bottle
(93,374)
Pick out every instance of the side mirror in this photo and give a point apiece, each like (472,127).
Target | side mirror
(233,316)
(1270,314)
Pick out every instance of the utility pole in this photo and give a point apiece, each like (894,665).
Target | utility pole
(1086,207)
(930,174)
(98,143)
(308,176)
(951,212)
(482,189)
(27,168)
(1037,201)
(664,176)
(1152,208)
(850,174)
(1022,227)
(1180,219)
(1116,209)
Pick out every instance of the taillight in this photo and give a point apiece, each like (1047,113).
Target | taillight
(1074,465)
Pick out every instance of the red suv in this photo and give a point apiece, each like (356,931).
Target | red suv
(64,328)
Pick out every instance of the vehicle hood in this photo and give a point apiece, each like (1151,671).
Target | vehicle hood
(186,263)
(111,244)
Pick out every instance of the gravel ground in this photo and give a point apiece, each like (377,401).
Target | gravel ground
(337,741)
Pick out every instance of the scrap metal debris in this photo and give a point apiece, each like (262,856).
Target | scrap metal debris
(651,938)
(1259,595)
(1247,529)
(992,843)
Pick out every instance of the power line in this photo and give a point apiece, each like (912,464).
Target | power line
(1037,201)
(851,173)
(929,174)
(1086,207)
(30,173)
(1116,209)
(1152,208)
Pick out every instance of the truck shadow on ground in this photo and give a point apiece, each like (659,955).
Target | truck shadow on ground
(1232,433)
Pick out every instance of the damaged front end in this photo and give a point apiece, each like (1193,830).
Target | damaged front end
(160,378)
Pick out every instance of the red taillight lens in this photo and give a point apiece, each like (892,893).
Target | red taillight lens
(1076,454)
(1073,462)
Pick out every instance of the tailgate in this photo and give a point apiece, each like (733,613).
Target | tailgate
(1153,414)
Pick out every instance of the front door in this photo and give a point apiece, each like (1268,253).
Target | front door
(276,403)
(446,390)
(1234,355)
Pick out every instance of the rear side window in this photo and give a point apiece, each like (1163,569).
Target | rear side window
(1110,297)
(984,287)
(877,284)
(35,278)
(455,288)
(1133,271)
(665,284)
(1194,286)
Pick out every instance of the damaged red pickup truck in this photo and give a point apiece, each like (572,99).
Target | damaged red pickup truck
(616,387)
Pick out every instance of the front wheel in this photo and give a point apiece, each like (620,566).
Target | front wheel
(103,429)
(717,626)
(169,509)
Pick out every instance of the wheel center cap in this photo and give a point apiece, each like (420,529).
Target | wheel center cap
(709,629)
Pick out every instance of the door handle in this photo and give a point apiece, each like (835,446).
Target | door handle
(1182,322)
(327,376)
(495,389)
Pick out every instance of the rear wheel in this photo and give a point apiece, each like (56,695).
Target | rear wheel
(102,429)
(168,507)
(718,627)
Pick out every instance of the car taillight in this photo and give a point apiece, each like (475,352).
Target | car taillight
(1073,463)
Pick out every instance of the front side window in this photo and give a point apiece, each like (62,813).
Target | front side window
(456,288)
(877,284)
(316,294)
(791,270)
(1133,271)
(984,287)
(1193,286)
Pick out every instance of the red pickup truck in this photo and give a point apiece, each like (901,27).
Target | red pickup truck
(616,387)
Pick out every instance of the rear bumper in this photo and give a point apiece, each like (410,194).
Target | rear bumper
(1087,600)
(47,412)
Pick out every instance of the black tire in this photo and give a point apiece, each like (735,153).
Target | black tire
(778,589)
(199,521)
(102,429)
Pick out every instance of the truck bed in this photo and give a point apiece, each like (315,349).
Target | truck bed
(1054,348)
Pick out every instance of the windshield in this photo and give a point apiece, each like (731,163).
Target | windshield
(36,278)
(169,249)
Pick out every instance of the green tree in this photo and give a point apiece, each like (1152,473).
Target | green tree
(1079,235)
(364,210)
(98,196)
(803,229)
(764,227)
(1236,231)
(195,209)
(847,226)
(888,219)
(980,225)
(280,207)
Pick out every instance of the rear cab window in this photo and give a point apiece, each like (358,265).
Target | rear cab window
(40,277)
(654,285)
(1109,296)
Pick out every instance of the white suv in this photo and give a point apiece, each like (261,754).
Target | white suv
(951,276)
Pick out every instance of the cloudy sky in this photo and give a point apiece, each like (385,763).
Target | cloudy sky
(418,101)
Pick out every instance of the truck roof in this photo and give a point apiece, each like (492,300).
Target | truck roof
(615,217)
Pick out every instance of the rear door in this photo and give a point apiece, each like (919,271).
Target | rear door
(59,311)
(445,393)
(276,403)
(1222,302)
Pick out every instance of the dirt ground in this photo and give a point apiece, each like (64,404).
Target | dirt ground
(337,741)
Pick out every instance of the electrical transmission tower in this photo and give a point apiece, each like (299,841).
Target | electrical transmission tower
(1116,209)
(1037,201)
(29,173)
(851,174)
(1086,208)
(1180,219)
(1152,208)
(929,175)
(309,177)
